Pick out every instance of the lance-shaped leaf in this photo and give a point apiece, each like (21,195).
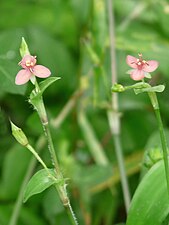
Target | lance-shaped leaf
(158,88)
(39,182)
(46,83)
(43,86)
(150,204)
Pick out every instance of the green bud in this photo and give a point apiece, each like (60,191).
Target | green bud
(24,50)
(19,135)
(117,88)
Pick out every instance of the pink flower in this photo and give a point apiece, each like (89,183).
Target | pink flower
(141,68)
(30,69)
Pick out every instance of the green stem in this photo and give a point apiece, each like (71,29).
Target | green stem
(51,148)
(154,101)
(31,149)
(40,107)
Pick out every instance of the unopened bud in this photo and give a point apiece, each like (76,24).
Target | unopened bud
(24,50)
(19,134)
(117,88)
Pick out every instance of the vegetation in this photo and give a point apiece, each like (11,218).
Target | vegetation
(109,153)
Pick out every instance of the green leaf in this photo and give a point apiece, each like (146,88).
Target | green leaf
(43,85)
(158,88)
(150,204)
(46,83)
(38,183)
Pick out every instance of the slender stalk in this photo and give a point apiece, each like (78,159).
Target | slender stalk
(40,107)
(156,107)
(113,116)
(40,144)
(44,119)
(31,149)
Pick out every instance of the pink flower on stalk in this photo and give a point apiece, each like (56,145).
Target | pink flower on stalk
(30,69)
(141,67)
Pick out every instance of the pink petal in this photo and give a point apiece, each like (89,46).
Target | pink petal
(41,71)
(22,77)
(131,61)
(137,74)
(150,66)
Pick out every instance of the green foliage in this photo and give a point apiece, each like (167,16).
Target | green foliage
(39,182)
(71,38)
(159,88)
(150,202)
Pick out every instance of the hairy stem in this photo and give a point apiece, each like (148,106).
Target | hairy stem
(40,107)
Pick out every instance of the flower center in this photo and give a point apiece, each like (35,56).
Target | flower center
(29,63)
(141,62)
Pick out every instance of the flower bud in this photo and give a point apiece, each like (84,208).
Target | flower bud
(24,50)
(117,88)
(19,134)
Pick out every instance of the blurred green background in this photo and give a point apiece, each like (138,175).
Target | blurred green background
(61,34)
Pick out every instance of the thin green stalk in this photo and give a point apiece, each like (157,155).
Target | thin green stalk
(31,149)
(154,101)
(40,144)
(44,119)
(113,116)
(40,107)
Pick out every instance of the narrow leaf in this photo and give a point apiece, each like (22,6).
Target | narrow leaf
(38,183)
(47,82)
(43,85)
(159,88)
(150,204)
